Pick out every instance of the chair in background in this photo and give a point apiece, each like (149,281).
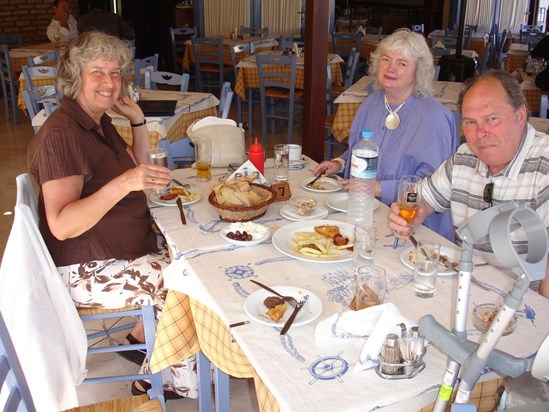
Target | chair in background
(373,30)
(48,59)
(286,42)
(140,64)
(225,99)
(533,39)
(180,152)
(208,62)
(12,40)
(35,98)
(236,52)
(350,73)
(277,78)
(254,32)
(330,141)
(526,29)
(37,71)
(39,265)
(418,28)
(437,72)
(50,107)
(10,85)
(343,43)
(152,79)
(543,106)
(178,36)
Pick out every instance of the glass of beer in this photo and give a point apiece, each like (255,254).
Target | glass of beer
(409,195)
(203,156)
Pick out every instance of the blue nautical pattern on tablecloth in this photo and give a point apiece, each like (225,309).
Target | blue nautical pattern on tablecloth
(395,283)
(239,272)
(288,344)
(240,290)
(277,259)
(211,226)
(528,313)
(342,291)
(328,368)
(189,212)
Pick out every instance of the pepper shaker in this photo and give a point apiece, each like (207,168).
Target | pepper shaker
(390,353)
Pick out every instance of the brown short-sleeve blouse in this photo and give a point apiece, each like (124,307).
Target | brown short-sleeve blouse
(68,144)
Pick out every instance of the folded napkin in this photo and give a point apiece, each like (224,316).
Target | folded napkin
(247,169)
(439,45)
(372,324)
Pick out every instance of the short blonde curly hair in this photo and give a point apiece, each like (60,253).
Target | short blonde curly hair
(414,47)
(85,48)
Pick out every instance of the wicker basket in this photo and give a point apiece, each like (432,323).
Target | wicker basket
(245,214)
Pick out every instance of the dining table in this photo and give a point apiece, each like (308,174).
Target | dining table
(248,75)
(19,55)
(190,107)
(213,306)
(516,57)
(350,100)
(258,44)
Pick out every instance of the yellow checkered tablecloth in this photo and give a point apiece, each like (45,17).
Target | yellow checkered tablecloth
(248,78)
(516,59)
(343,119)
(367,46)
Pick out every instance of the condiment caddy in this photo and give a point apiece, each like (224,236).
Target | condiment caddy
(402,357)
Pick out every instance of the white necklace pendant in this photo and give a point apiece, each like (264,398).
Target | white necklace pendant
(392,121)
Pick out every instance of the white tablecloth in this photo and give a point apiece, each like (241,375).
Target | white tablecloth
(301,375)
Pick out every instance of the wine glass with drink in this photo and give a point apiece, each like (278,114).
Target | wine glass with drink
(409,195)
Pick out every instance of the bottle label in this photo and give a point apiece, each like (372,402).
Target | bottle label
(364,167)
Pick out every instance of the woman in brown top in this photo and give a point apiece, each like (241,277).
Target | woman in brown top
(93,211)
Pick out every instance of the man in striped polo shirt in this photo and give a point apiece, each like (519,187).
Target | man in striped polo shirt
(504,159)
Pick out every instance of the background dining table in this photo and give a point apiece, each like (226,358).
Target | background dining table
(190,107)
(248,76)
(19,55)
(209,284)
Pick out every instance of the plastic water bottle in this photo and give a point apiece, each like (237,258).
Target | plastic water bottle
(363,168)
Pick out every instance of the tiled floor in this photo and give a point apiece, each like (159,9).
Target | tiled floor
(14,140)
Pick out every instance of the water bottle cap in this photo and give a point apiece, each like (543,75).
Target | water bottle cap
(367,134)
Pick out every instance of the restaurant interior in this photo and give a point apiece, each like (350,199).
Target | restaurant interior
(493,40)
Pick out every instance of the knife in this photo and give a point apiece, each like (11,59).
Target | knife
(442,259)
(312,182)
(274,292)
(181,213)
(293,315)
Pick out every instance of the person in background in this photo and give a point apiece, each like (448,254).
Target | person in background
(504,159)
(414,132)
(62,22)
(99,19)
(93,211)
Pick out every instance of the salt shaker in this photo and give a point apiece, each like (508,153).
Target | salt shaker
(390,353)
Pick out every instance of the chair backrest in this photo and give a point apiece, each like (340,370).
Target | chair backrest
(418,28)
(180,151)
(343,43)
(286,42)
(37,71)
(44,59)
(178,36)
(11,40)
(238,52)
(526,29)
(152,79)
(50,107)
(373,30)
(14,389)
(139,64)
(350,70)
(437,72)
(281,72)
(468,27)
(208,54)
(533,39)
(225,99)
(543,106)
(254,32)
(10,85)
(35,98)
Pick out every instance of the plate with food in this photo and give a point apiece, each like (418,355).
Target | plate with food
(298,164)
(407,257)
(316,240)
(277,312)
(325,184)
(187,196)
(339,202)
(245,233)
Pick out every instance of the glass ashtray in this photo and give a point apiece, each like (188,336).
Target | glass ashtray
(484,314)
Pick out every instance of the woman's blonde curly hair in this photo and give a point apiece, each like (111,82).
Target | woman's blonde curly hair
(85,48)
(414,47)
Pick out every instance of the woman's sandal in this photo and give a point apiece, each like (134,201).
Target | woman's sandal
(168,394)
(135,356)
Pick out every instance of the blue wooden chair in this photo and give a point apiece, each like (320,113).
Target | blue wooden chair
(178,36)
(44,59)
(10,85)
(152,79)
(139,64)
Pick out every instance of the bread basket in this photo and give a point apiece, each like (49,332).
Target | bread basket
(243,213)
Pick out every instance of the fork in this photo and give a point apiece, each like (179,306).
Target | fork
(183,185)
(290,299)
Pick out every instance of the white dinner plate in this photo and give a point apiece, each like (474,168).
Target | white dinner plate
(325,185)
(256,310)
(298,164)
(283,239)
(172,202)
(257,237)
(339,202)
(319,213)
(451,254)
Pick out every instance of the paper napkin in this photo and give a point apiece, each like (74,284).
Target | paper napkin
(248,169)
(439,45)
